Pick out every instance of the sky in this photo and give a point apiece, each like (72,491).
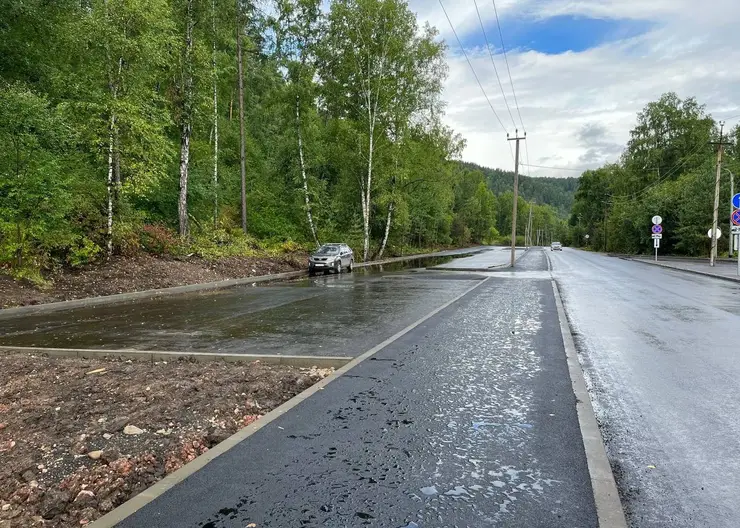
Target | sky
(581,71)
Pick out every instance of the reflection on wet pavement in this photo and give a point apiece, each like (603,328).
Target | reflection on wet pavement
(468,420)
(326,315)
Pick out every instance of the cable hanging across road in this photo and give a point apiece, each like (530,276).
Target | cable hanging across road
(493,63)
(471,66)
(508,69)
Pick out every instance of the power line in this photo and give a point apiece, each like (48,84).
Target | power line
(508,69)
(493,63)
(553,168)
(471,66)
(651,186)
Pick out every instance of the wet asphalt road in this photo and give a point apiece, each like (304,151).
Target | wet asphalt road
(329,315)
(660,350)
(467,420)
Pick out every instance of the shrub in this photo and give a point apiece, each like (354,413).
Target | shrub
(158,240)
(84,253)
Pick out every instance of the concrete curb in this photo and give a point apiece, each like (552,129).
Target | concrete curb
(606,496)
(695,272)
(170,481)
(147,355)
(123,297)
(190,288)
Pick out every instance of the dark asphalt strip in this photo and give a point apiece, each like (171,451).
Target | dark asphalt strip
(467,420)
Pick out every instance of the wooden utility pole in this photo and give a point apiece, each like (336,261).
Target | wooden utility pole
(242,138)
(721,144)
(516,195)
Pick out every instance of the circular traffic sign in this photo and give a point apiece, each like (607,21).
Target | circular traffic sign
(657,229)
(736,201)
(719,233)
(736,218)
(658,220)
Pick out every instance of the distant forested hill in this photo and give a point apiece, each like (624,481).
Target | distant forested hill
(557,192)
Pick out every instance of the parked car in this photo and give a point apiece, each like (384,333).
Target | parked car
(331,257)
(556,246)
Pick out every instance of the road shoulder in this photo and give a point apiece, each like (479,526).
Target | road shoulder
(606,494)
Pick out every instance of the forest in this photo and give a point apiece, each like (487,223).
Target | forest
(215,128)
(668,168)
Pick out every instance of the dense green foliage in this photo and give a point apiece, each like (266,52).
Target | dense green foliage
(119,126)
(668,168)
(557,192)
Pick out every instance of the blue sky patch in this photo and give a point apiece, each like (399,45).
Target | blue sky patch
(559,34)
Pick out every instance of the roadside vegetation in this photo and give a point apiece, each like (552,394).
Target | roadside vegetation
(668,168)
(125,130)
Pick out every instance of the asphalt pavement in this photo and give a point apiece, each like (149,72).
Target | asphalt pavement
(328,315)
(660,352)
(466,420)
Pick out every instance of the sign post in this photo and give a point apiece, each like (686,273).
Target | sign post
(657,234)
(735,221)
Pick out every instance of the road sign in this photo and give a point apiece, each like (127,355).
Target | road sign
(736,218)
(719,233)
(736,201)
(736,230)
(659,220)
(658,236)
(657,229)
(656,245)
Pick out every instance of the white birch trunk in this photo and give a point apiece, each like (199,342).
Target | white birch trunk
(186,126)
(242,135)
(110,184)
(366,201)
(303,171)
(215,122)
(387,230)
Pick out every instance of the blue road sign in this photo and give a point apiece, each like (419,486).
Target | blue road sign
(657,229)
(736,218)
(736,201)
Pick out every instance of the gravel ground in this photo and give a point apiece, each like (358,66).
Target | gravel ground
(79,437)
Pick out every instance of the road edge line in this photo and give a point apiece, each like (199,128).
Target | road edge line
(606,496)
(134,504)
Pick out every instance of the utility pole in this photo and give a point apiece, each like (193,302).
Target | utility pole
(721,144)
(528,238)
(516,194)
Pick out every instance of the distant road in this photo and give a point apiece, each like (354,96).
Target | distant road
(662,351)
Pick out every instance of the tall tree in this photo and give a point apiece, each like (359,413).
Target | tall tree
(373,73)
(298,30)
(186,115)
(242,136)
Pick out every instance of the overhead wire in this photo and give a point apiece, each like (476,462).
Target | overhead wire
(471,66)
(554,168)
(642,192)
(508,69)
(493,63)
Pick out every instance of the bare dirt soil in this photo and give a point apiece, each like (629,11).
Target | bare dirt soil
(144,272)
(79,437)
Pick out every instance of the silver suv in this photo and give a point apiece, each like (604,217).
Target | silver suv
(331,257)
(556,246)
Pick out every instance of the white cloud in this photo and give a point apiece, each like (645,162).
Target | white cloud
(692,49)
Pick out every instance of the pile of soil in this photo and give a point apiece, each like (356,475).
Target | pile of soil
(145,272)
(79,437)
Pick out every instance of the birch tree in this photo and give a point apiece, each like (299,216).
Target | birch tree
(297,34)
(186,116)
(373,75)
